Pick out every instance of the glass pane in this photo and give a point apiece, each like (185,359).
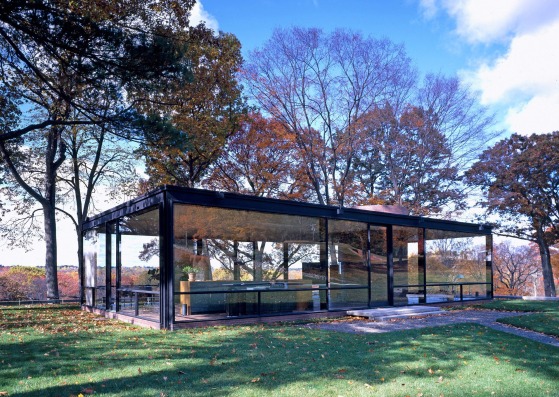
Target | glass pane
(93,255)
(347,258)
(139,273)
(101,273)
(408,278)
(379,266)
(235,263)
(455,259)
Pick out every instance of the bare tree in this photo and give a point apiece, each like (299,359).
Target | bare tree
(318,86)
(366,128)
(101,166)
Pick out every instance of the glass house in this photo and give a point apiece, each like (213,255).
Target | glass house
(179,255)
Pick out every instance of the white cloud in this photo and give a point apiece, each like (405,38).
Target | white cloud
(539,115)
(483,21)
(530,67)
(525,78)
(199,14)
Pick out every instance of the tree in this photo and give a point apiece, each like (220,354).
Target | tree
(261,159)
(99,162)
(22,283)
(318,86)
(201,114)
(515,267)
(57,58)
(520,180)
(52,42)
(336,94)
(405,160)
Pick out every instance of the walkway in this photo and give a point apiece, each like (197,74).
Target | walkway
(483,317)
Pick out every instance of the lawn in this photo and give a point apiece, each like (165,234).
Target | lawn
(545,321)
(60,351)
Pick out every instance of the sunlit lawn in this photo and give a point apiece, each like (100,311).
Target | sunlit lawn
(60,351)
(546,321)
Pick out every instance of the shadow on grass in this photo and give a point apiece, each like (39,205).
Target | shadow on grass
(279,360)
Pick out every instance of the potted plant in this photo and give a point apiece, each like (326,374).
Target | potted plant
(189,272)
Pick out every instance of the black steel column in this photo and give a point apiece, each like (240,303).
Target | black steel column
(489,265)
(81,267)
(421,262)
(108,260)
(369,269)
(324,264)
(118,265)
(390,264)
(285,261)
(166,270)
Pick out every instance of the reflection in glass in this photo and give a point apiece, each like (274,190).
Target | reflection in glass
(379,266)
(139,270)
(234,263)
(408,277)
(456,258)
(93,255)
(347,259)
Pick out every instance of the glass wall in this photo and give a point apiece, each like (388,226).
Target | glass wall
(232,263)
(229,263)
(379,266)
(456,263)
(347,264)
(408,270)
(138,270)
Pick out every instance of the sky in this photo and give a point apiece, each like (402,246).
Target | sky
(505,50)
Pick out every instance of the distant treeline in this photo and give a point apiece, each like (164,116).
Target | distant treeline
(29,283)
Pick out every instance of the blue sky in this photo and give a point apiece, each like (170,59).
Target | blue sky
(252,21)
(506,50)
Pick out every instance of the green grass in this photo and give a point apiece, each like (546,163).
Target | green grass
(546,320)
(60,351)
(520,305)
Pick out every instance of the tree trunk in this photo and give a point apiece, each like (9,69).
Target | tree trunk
(55,148)
(547,271)
(51,253)
(258,253)
(80,260)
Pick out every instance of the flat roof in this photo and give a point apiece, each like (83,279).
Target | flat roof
(168,194)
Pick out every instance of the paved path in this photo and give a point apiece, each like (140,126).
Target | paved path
(483,317)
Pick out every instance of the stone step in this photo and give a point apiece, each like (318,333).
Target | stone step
(397,316)
(388,313)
